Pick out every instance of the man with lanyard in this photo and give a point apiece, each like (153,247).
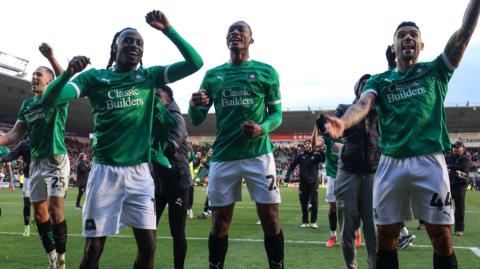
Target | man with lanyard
(458,167)
(409,100)
(309,161)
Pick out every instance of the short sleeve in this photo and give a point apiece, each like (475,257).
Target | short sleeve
(371,86)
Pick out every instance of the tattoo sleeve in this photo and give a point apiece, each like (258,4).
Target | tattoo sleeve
(359,110)
(459,40)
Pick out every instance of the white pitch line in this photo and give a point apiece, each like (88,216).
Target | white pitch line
(476,251)
(473,249)
(247,207)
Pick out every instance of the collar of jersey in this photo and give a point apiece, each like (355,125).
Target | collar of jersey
(114,69)
(242,64)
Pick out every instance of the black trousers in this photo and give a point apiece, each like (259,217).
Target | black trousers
(190,197)
(308,193)
(177,200)
(459,192)
(81,191)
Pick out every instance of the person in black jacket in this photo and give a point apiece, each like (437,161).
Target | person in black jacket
(458,166)
(354,182)
(83,170)
(309,161)
(172,184)
(23,150)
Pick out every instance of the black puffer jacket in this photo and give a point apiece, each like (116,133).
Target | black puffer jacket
(360,152)
(177,150)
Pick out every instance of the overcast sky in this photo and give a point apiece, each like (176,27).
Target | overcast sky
(319,48)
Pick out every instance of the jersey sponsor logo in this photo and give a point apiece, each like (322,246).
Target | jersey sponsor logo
(90,225)
(236,97)
(34,114)
(402,91)
(121,98)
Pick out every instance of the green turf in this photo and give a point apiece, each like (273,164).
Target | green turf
(302,247)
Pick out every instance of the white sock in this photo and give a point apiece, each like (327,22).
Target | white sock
(333,233)
(52,256)
(404,231)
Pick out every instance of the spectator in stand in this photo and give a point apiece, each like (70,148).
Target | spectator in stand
(83,170)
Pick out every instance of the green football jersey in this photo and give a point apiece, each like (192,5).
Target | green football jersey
(3,151)
(163,122)
(239,93)
(331,157)
(122,108)
(45,126)
(410,108)
(122,103)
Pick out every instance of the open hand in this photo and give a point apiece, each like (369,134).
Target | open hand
(334,127)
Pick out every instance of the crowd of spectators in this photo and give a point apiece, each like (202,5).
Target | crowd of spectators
(284,155)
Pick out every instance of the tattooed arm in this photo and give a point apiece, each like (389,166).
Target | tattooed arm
(459,40)
(352,116)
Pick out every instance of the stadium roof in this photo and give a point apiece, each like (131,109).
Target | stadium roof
(14,90)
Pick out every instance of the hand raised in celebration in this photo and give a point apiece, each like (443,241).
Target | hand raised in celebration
(199,98)
(390,54)
(157,20)
(251,129)
(46,50)
(77,64)
(334,127)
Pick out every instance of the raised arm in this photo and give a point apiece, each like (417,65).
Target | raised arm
(355,113)
(292,166)
(57,92)
(391,58)
(193,61)
(459,40)
(47,52)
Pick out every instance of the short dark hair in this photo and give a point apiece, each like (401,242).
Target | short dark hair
(246,24)
(168,90)
(407,23)
(49,71)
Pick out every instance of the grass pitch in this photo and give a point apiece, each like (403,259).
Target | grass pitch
(304,248)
